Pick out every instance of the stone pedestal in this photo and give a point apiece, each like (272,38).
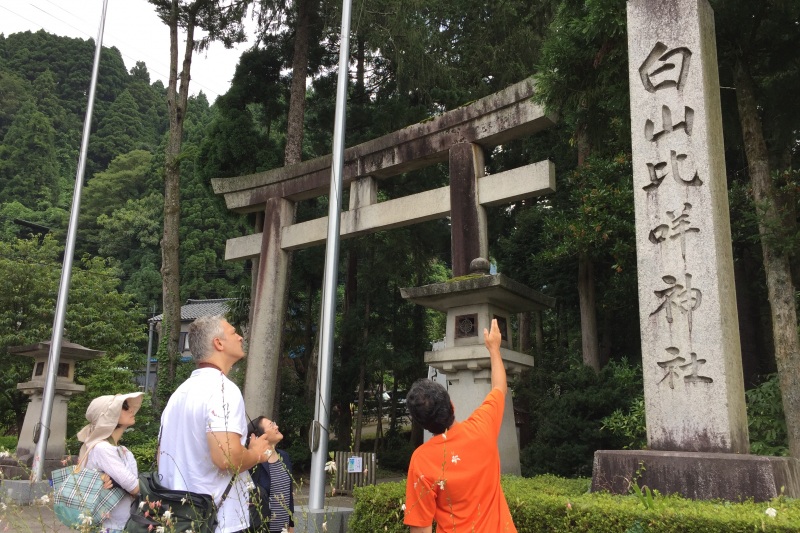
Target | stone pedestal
(696,475)
(331,520)
(471,303)
(23,492)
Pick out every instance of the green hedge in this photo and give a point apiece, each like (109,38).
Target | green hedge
(8,443)
(549,503)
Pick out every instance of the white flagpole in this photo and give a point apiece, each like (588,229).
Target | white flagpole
(316,497)
(43,429)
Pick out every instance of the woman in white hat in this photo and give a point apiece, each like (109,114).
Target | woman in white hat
(109,417)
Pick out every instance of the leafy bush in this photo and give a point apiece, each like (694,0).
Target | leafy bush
(550,503)
(567,407)
(145,454)
(766,419)
(629,425)
(8,443)
(396,453)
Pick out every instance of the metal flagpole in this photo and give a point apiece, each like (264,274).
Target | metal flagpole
(316,487)
(43,428)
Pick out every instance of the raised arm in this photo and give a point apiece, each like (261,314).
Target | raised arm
(492,341)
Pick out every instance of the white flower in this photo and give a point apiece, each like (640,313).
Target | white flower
(772,513)
(167,514)
(284,529)
(324,526)
(160,529)
(183,500)
(455,459)
(44,499)
(441,484)
(142,504)
(251,486)
(3,507)
(330,467)
(403,508)
(4,454)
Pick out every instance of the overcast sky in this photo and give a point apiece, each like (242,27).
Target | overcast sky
(133,27)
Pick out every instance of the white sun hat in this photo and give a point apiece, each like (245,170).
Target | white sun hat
(103,416)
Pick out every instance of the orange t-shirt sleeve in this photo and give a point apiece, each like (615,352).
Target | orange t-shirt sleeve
(490,412)
(420,498)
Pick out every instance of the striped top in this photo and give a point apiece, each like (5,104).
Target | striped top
(280,489)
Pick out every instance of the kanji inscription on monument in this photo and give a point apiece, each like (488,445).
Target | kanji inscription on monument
(694,393)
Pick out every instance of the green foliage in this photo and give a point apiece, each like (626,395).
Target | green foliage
(8,442)
(648,498)
(295,417)
(396,453)
(766,419)
(567,407)
(553,504)
(629,425)
(583,72)
(378,508)
(145,454)
(28,165)
(98,317)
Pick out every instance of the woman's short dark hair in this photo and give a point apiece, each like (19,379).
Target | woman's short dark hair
(430,406)
(254,428)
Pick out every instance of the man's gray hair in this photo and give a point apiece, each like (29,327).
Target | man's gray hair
(202,333)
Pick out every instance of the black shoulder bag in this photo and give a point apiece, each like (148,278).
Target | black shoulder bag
(176,510)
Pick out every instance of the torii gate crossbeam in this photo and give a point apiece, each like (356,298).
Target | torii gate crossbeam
(459,136)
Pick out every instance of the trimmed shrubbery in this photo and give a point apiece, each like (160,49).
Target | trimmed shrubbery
(549,503)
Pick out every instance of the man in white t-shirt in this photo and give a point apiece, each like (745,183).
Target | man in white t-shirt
(204,426)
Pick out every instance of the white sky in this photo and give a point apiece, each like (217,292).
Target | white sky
(133,27)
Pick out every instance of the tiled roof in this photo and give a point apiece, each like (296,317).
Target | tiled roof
(194,309)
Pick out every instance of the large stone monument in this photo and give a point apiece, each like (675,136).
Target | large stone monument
(471,303)
(693,387)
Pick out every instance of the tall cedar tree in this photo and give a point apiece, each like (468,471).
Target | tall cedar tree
(758,43)
(221,20)
(583,76)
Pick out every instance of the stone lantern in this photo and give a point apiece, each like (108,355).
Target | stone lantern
(471,302)
(65,388)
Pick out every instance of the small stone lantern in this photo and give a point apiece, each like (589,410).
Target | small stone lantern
(471,302)
(65,388)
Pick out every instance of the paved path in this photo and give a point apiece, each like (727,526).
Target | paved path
(40,518)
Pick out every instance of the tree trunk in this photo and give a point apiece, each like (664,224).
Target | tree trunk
(586,295)
(360,411)
(349,344)
(293,154)
(538,332)
(177,97)
(297,99)
(524,331)
(776,263)
(590,347)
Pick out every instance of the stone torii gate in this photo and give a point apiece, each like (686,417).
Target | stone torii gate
(459,136)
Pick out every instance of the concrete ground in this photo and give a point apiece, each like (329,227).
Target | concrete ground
(39,518)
